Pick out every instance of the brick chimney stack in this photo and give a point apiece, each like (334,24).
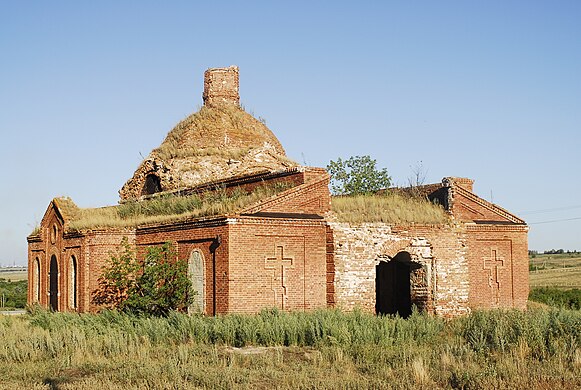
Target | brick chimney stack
(221,86)
(464,182)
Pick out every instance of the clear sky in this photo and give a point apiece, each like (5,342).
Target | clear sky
(489,90)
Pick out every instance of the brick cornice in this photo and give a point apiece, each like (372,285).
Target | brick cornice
(496,228)
(183,225)
(243,219)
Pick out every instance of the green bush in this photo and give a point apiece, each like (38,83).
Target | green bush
(156,285)
(13,294)
(568,299)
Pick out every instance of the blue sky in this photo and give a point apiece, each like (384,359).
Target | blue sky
(489,90)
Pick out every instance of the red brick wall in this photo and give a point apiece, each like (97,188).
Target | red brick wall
(221,86)
(189,237)
(97,248)
(310,198)
(498,263)
(277,263)
(91,251)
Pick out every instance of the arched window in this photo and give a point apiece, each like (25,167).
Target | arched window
(36,281)
(196,273)
(152,185)
(73,283)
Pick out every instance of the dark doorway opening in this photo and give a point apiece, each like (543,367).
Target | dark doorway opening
(393,287)
(152,185)
(53,283)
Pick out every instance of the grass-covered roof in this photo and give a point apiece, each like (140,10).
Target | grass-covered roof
(388,207)
(167,208)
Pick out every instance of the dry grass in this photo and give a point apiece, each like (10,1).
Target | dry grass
(556,277)
(388,208)
(201,132)
(169,208)
(326,350)
(562,271)
(14,276)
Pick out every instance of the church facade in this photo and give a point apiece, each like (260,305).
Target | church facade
(260,231)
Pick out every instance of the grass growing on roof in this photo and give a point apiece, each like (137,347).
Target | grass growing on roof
(167,208)
(387,208)
(208,127)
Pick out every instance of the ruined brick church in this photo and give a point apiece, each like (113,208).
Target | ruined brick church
(259,231)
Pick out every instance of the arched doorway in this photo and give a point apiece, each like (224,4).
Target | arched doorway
(53,283)
(393,287)
(196,273)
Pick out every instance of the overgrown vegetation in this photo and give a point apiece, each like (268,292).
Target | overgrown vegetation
(12,294)
(568,299)
(325,349)
(154,286)
(388,208)
(206,129)
(172,207)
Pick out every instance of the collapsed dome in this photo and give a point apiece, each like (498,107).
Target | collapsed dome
(217,142)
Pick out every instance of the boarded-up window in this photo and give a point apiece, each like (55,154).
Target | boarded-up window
(73,283)
(36,281)
(196,273)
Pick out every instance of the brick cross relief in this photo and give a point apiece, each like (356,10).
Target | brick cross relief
(493,264)
(279,264)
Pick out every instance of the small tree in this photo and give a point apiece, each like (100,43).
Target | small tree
(117,279)
(154,286)
(357,175)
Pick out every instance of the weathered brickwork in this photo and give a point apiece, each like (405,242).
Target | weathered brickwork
(287,251)
(78,260)
(221,86)
(440,286)
(276,263)
(499,273)
(210,237)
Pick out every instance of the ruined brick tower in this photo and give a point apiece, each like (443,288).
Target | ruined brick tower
(221,86)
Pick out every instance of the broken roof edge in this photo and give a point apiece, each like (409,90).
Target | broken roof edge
(180,206)
(229,182)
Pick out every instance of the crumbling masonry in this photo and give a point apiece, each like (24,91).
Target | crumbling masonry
(286,249)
